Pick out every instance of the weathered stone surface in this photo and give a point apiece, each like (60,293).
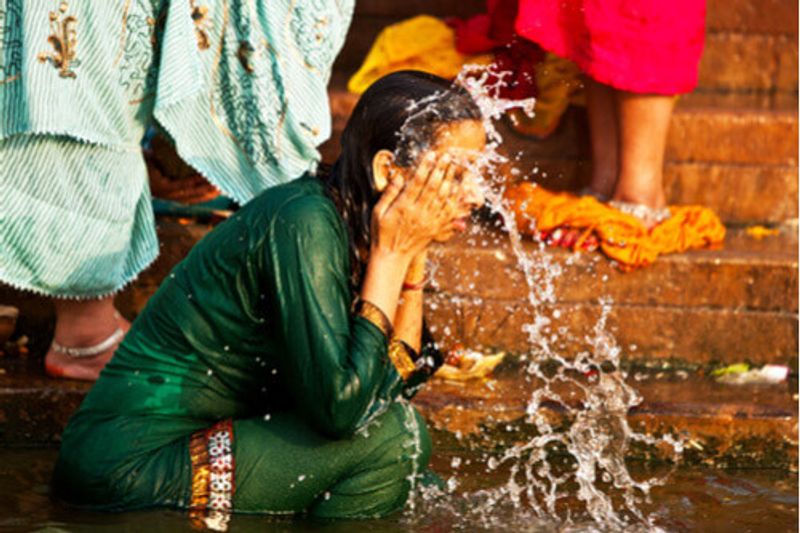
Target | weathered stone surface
(35,409)
(786,76)
(752,100)
(748,16)
(738,61)
(724,425)
(737,193)
(709,135)
(695,335)
(785,101)
(408,8)
(738,303)
(752,16)
(732,60)
(731,304)
(713,135)
(744,275)
(743,99)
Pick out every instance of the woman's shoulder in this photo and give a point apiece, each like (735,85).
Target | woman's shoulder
(301,203)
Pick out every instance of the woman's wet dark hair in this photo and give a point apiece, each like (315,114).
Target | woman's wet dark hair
(402,112)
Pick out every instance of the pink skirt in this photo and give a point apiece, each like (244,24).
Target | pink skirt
(641,46)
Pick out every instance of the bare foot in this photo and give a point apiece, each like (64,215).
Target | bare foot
(81,324)
(569,238)
(59,365)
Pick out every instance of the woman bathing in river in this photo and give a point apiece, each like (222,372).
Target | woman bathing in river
(267,374)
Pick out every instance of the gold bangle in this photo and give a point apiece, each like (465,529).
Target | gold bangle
(402,357)
(373,313)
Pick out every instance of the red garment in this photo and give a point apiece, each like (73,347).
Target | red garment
(494,32)
(642,46)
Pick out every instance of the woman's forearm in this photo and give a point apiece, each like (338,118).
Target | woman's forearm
(384,280)
(408,319)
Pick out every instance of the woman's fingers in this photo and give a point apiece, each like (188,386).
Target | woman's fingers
(430,194)
(415,185)
(445,192)
(389,195)
(454,171)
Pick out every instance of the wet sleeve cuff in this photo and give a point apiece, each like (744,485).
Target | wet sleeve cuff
(374,315)
(402,357)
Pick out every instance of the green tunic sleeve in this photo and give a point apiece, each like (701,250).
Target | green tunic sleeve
(335,364)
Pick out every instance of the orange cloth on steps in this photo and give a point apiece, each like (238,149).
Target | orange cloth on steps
(622,237)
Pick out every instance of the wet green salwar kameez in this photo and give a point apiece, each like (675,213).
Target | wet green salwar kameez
(249,382)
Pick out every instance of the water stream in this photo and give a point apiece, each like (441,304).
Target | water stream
(590,389)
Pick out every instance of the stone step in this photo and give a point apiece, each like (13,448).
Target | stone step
(740,163)
(749,16)
(761,64)
(725,306)
(698,308)
(724,425)
(697,135)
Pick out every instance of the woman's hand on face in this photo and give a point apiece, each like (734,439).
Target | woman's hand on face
(409,216)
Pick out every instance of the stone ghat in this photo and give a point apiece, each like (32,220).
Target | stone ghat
(704,307)
(679,318)
(738,160)
(725,426)
(723,306)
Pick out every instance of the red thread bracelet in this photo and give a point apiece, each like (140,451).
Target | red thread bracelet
(415,286)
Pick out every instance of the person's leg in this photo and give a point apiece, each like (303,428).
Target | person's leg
(82,324)
(284,466)
(604,140)
(643,125)
(601,105)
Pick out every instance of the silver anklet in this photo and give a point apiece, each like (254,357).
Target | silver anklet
(90,351)
(642,212)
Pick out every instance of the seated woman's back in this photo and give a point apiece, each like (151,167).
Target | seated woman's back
(207,332)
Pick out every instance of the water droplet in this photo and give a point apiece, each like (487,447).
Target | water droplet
(452,485)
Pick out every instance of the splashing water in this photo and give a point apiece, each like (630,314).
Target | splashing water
(578,406)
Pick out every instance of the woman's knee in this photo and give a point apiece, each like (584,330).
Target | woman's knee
(401,435)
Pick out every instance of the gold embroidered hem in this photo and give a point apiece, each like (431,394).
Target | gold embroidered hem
(213,467)
(402,357)
(373,314)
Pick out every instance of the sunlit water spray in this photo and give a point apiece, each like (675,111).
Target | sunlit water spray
(578,407)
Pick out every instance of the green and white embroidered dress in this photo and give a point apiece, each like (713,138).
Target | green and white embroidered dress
(239,85)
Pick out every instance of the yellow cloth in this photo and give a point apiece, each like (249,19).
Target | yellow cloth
(560,84)
(428,44)
(421,43)
(759,232)
(622,237)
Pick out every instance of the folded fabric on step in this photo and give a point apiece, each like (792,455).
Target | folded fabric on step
(421,43)
(623,238)
(431,45)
